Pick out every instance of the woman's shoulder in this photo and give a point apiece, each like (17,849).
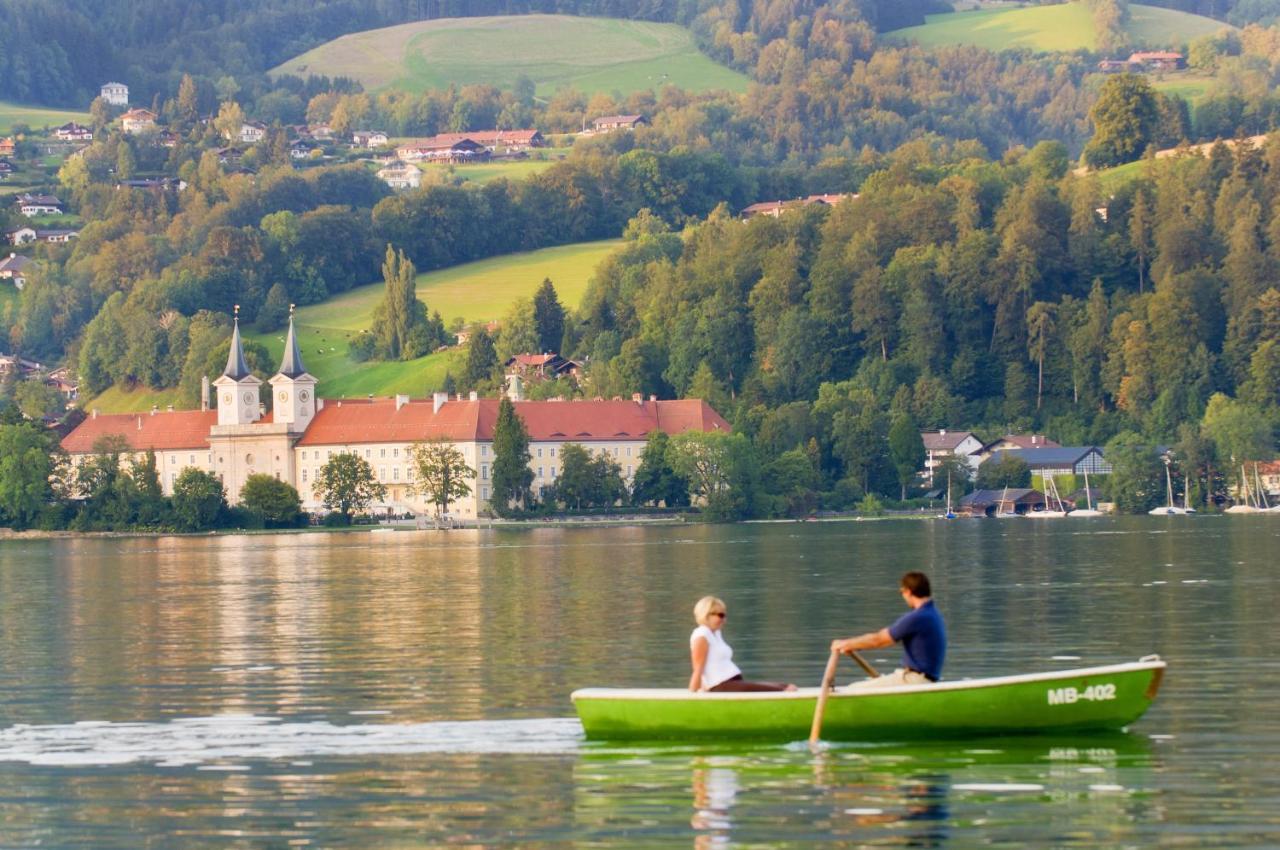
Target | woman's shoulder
(700,632)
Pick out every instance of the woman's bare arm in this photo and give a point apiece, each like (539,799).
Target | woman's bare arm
(698,654)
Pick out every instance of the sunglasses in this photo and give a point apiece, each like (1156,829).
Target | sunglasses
(720,614)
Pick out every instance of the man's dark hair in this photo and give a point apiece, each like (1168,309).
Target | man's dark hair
(917,583)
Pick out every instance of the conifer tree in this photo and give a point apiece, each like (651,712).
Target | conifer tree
(512,476)
(548,317)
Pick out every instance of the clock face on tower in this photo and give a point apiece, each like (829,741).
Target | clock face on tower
(248,398)
(304,396)
(227,398)
(283,396)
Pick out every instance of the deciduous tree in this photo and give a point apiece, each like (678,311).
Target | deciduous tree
(346,484)
(440,473)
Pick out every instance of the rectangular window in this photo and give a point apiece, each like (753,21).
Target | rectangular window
(484,492)
(410,475)
(191,460)
(382,453)
(628,470)
(304,476)
(553,473)
(172,478)
(539,451)
(484,451)
(395,473)
(628,451)
(173,459)
(395,452)
(539,472)
(553,451)
(382,474)
(484,471)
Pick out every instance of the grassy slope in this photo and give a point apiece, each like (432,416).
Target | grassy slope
(592,54)
(476,291)
(36,117)
(1062,27)
(483,172)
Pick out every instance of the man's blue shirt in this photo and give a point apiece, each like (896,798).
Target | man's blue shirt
(924,639)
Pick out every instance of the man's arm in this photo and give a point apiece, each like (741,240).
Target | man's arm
(871,640)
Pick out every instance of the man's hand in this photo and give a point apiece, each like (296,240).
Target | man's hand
(844,646)
(871,640)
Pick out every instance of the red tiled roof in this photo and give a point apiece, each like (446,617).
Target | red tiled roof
(353,421)
(181,429)
(378,420)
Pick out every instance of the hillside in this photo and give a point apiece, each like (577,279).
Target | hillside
(591,54)
(477,291)
(1064,27)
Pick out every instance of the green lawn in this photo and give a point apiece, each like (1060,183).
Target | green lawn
(140,400)
(36,117)
(1063,27)
(591,54)
(1188,85)
(8,295)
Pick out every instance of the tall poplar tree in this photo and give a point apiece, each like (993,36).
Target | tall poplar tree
(512,476)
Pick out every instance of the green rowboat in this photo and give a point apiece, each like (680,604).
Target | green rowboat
(1083,700)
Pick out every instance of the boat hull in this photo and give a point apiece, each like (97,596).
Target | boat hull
(1088,699)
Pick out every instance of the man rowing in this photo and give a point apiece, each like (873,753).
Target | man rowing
(921,631)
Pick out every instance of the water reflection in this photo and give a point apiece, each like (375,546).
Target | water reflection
(715,788)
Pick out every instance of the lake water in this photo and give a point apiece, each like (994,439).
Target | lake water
(411,689)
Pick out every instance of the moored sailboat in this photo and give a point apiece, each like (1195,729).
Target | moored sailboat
(1090,510)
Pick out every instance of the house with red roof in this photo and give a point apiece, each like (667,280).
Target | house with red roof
(236,437)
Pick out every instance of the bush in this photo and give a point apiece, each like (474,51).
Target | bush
(870,505)
(335,519)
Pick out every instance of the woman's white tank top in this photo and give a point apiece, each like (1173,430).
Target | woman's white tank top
(719,666)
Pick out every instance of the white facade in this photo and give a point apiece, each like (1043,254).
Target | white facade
(116,94)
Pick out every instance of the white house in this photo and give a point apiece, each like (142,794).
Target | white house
(73,132)
(116,94)
(32,205)
(138,121)
(21,235)
(13,268)
(369,138)
(943,443)
(251,132)
(401,175)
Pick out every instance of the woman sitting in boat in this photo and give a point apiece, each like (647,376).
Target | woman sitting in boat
(713,667)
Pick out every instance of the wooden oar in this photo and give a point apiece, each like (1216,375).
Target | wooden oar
(815,731)
(862,662)
(828,679)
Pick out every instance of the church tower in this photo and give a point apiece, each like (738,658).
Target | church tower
(237,388)
(295,390)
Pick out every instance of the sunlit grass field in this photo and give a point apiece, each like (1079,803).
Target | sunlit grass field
(36,117)
(1062,27)
(591,54)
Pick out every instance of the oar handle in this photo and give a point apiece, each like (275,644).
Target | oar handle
(828,677)
(862,662)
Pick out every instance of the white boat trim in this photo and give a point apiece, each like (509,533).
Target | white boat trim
(1152,662)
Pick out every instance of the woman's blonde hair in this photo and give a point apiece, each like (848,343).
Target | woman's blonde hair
(702,610)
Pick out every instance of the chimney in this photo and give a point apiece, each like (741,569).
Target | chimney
(169,408)
(638,398)
(473,396)
(155,408)
(437,401)
(139,423)
(942,432)
(653,397)
(204,394)
(93,414)
(401,401)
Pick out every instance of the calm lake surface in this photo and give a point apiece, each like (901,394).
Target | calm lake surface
(411,689)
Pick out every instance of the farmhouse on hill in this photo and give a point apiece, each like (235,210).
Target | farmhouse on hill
(539,367)
(237,439)
(777,208)
(33,205)
(369,139)
(73,132)
(8,147)
(609,123)
(137,121)
(13,269)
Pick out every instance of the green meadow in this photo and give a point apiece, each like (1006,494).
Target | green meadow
(36,117)
(474,292)
(590,54)
(483,172)
(1062,27)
